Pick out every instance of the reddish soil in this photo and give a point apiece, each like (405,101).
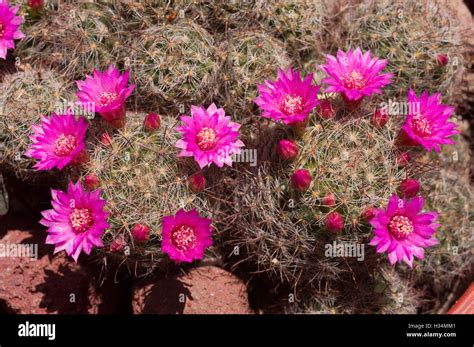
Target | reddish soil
(52,283)
(204,290)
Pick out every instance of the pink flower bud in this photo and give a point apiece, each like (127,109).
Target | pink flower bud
(403,159)
(105,139)
(152,122)
(287,149)
(197,182)
(118,244)
(36,4)
(141,232)
(334,222)
(368,213)
(379,118)
(325,110)
(329,200)
(301,180)
(442,59)
(91,182)
(409,188)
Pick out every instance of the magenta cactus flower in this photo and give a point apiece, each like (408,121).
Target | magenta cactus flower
(209,136)
(9,27)
(186,236)
(402,230)
(355,74)
(426,124)
(77,221)
(108,92)
(289,99)
(58,141)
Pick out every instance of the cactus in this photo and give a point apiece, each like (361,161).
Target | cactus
(142,181)
(24,96)
(353,161)
(74,39)
(410,34)
(452,195)
(173,65)
(303,25)
(250,58)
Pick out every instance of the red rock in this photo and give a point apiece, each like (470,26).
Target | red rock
(204,290)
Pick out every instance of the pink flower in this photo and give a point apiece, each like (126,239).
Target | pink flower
(289,98)
(186,235)
(409,188)
(287,150)
(9,27)
(209,136)
(301,180)
(77,221)
(57,141)
(355,74)
(141,232)
(107,91)
(334,222)
(402,230)
(426,123)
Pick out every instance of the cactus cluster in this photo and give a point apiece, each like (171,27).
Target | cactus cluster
(325,161)
(24,96)
(354,166)
(173,65)
(74,39)
(412,36)
(249,58)
(142,181)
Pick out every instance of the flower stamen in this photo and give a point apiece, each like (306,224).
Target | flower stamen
(354,80)
(107,98)
(400,227)
(421,126)
(81,219)
(184,238)
(64,145)
(292,104)
(206,139)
